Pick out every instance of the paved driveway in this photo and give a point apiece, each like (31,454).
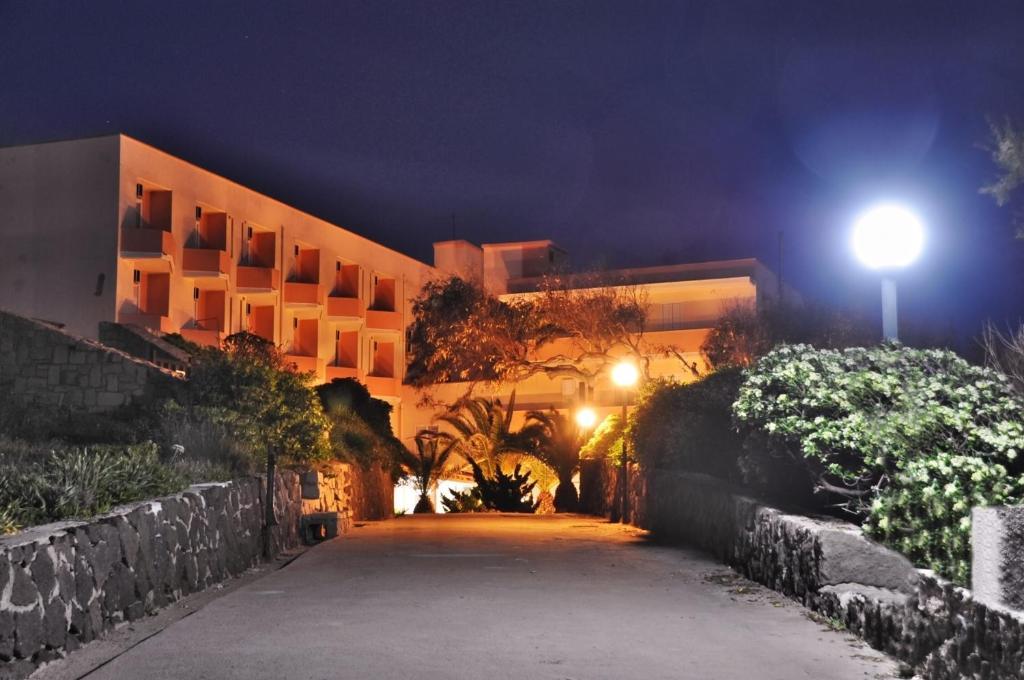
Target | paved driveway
(495,597)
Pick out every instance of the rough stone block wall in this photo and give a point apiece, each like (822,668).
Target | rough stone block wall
(63,584)
(40,364)
(362,494)
(599,490)
(931,624)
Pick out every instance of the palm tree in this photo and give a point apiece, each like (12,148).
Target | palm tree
(556,442)
(483,427)
(428,464)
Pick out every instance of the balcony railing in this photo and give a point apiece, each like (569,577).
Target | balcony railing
(205,262)
(257,279)
(202,336)
(382,387)
(338,372)
(139,242)
(383,320)
(156,322)
(338,307)
(305,364)
(301,293)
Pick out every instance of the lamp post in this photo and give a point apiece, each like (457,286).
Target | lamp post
(886,238)
(625,375)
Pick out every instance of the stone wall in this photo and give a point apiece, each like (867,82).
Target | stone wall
(63,584)
(359,493)
(40,364)
(600,491)
(934,626)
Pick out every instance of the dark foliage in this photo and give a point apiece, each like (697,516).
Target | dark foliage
(505,491)
(689,426)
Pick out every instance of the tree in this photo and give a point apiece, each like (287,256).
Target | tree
(556,441)
(743,333)
(1007,151)
(428,464)
(276,406)
(360,425)
(460,333)
(483,428)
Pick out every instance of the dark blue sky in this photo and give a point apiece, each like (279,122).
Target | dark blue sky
(630,132)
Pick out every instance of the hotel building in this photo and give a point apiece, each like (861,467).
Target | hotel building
(109,229)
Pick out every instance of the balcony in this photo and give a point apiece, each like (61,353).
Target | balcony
(250,279)
(382,387)
(391,321)
(205,262)
(202,336)
(298,293)
(155,322)
(305,364)
(152,249)
(339,372)
(344,307)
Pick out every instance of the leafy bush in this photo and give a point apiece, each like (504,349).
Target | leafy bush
(360,426)
(462,501)
(925,511)
(880,432)
(216,436)
(39,485)
(275,406)
(606,442)
(504,491)
(689,426)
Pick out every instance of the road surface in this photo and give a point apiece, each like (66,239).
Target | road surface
(499,597)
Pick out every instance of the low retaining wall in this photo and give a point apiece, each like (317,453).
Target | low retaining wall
(938,628)
(63,584)
(600,490)
(361,494)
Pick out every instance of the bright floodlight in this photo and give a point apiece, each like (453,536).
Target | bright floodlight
(625,374)
(887,237)
(586,417)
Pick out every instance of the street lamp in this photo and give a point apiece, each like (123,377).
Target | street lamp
(885,238)
(586,418)
(625,375)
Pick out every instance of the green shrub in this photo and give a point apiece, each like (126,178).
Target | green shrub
(463,501)
(504,491)
(39,485)
(688,426)
(877,432)
(218,437)
(606,442)
(360,426)
(925,510)
(276,406)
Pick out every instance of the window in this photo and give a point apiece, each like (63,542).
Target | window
(383,294)
(666,316)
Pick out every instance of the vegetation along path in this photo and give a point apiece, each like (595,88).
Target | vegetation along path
(499,596)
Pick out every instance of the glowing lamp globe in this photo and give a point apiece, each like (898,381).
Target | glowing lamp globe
(586,418)
(625,374)
(888,237)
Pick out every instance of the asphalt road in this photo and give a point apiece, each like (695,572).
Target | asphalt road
(495,597)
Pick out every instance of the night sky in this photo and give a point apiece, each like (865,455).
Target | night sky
(632,133)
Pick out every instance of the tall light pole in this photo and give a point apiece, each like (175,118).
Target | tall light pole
(888,237)
(624,375)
